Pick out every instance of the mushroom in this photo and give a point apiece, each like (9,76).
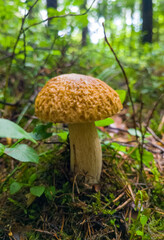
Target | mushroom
(79,101)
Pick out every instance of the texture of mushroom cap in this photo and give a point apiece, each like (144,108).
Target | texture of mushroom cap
(75,98)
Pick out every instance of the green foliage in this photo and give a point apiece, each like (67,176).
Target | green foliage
(122,94)
(12,130)
(23,153)
(37,190)
(138,226)
(15,187)
(63,135)
(50,193)
(137,132)
(2,149)
(147,157)
(40,131)
(103,123)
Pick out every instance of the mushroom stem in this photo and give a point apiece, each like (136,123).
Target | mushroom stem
(86,154)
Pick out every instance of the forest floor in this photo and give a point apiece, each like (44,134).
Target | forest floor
(128,203)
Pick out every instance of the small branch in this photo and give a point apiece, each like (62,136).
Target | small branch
(155,136)
(60,16)
(152,112)
(149,149)
(124,204)
(141,144)
(31,100)
(117,129)
(14,48)
(49,233)
(49,54)
(10,175)
(24,45)
(120,196)
(125,77)
(9,104)
(10,55)
(53,142)
(157,146)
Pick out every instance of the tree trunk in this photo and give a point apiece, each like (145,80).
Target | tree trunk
(147,24)
(51,4)
(84,36)
(84,29)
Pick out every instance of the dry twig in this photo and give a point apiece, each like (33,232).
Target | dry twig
(125,77)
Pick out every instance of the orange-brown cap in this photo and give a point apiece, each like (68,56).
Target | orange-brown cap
(76,98)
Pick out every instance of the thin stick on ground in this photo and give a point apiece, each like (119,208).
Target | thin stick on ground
(155,136)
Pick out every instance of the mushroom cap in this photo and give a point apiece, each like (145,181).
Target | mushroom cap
(76,98)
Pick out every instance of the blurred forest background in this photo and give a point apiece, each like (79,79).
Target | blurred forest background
(40,39)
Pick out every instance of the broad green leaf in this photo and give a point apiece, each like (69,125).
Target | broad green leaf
(122,95)
(12,130)
(40,131)
(23,153)
(15,187)
(143,219)
(104,122)
(139,233)
(37,190)
(2,149)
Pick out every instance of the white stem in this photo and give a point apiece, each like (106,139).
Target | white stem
(86,154)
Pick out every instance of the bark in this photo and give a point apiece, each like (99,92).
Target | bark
(147,24)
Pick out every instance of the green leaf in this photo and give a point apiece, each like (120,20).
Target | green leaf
(12,130)
(2,149)
(32,178)
(118,147)
(15,187)
(122,95)
(40,131)
(56,52)
(133,132)
(143,219)
(37,190)
(23,153)
(63,135)
(104,122)
(50,192)
(147,157)
(139,233)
